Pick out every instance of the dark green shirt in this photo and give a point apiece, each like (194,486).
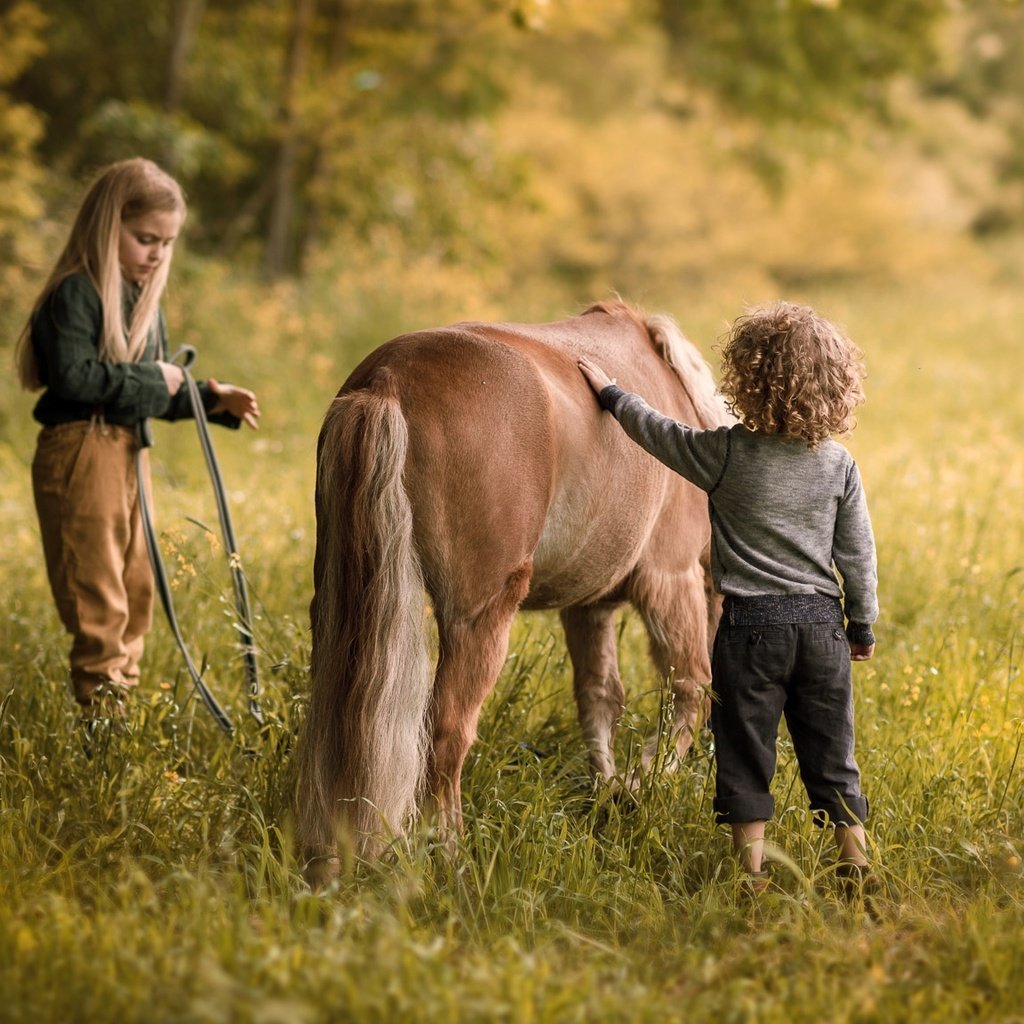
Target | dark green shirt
(65,336)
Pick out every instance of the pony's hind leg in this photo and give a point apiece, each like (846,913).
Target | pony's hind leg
(472,652)
(674,607)
(600,697)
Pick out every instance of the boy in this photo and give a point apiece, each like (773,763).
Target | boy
(787,510)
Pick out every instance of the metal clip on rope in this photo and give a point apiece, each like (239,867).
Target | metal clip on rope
(184,358)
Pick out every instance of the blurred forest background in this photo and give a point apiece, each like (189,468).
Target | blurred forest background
(518,157)
(357,169)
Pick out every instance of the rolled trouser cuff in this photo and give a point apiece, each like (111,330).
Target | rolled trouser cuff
(94,690)
(744,807)
(851,810)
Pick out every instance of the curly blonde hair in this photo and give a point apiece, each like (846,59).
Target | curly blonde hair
(789,372)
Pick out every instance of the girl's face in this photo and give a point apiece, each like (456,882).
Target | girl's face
(145,242)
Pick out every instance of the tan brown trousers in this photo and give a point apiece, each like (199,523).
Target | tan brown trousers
(86,493)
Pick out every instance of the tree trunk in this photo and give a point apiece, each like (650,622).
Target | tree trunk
(341,18)
(185,20)
(282,203)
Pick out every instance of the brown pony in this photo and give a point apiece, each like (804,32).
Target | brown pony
(472,462)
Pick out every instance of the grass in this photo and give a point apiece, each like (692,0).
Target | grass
(150,877)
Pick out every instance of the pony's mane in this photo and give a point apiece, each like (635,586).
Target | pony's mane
(682,355)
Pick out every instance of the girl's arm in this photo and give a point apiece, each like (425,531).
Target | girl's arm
(66,334)
(236,401)
(224,404)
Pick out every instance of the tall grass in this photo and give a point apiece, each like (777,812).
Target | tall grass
(148,874)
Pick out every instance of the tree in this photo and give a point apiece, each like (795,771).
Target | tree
(806,61)
(339,17)
(290,123)
(983,71)
(21,127)
(186,15)
(278,255)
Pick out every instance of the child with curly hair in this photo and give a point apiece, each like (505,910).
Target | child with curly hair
(787,510)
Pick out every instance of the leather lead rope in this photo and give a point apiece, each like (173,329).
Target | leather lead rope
(187,356)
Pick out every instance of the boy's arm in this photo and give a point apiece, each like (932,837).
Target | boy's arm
(697,455)
(853,552)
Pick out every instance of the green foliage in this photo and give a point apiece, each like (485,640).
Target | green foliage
(984,70)
(154,879)
(802,60)
(389,113)
(517,161)
(20,128)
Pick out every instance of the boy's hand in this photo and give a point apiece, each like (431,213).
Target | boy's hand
(861,652)
(596,377)
(237,401)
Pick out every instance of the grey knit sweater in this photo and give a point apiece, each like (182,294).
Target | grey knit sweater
(784,516)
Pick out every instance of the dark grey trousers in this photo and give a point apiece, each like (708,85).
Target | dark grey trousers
(800,670)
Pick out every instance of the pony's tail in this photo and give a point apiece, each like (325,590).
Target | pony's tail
(362,757)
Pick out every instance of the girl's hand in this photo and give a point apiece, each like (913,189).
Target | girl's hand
(237,401)
(173,376)
(861,652)
(596,377)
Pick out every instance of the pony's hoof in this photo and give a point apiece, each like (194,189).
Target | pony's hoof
(619,789)
(322,871)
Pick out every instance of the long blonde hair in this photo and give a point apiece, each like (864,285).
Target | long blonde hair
(121,192)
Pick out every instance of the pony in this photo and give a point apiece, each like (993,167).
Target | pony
(472,464)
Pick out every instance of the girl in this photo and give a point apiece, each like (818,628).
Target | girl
(787,509)
(96,344)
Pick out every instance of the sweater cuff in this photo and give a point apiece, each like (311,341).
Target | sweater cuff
(860,633)
(609,396)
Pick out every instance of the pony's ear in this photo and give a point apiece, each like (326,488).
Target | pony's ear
(692,369)
(615,307)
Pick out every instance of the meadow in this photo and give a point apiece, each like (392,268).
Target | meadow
(151,877)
